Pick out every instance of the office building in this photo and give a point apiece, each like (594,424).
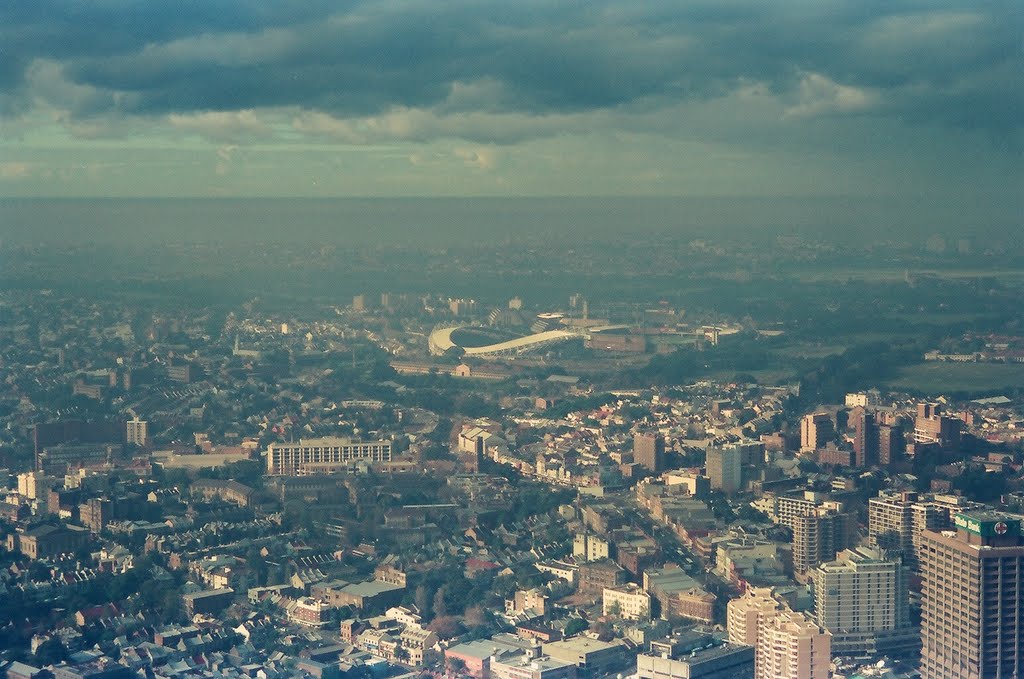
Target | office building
(136,432)
(57,460)
(972,618)
(815,430)
(288,458)
(678,594)
(649,451)
(724,468)
(861,598)
(308,612)
(523,666)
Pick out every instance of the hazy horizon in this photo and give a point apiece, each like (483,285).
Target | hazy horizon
(498,220)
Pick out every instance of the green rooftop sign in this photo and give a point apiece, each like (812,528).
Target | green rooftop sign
(987,527)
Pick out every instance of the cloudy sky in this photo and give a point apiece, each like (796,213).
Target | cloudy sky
(586,97)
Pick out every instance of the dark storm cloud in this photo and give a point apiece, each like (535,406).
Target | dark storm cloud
(940,61)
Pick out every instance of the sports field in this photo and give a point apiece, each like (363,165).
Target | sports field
(940,377)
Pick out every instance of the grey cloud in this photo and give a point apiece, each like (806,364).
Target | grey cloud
(926,62)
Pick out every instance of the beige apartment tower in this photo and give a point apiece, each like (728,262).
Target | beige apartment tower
(972,613)
(136,432)
(815,430)
(788,644)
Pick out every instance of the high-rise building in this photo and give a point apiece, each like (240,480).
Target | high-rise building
(649,451)
(931,426)
(890,444)
(896,521)
(890,525)
(861,598)
(788,645)
(136,432)
(791,646)
(818,536)
(972,617)
(751,452)
(925,516)
(724,468)
(743,614)
(815,430)
(865,437)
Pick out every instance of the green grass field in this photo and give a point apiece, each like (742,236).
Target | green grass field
(938,378)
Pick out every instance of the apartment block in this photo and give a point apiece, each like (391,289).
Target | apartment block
(288,459)
(861,598)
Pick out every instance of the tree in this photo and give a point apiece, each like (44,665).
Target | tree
(575,626)
(50,652)
(445,627)
(440,607)
(38,572)
(422,600)
(456,666)
(476,616)
(750,515)
(603,629)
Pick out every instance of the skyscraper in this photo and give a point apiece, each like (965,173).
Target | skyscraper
(649,451)
(724,468)
(890,440)
(865,437)
(972,613)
